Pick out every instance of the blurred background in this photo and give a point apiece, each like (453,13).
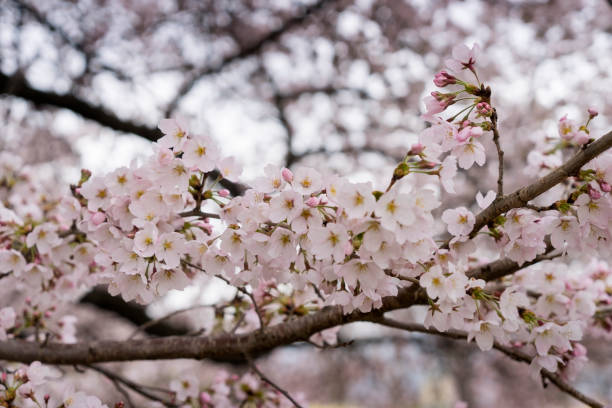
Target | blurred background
(332,84)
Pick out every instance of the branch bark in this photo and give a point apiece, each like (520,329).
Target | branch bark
(16,85)
(522,196)
(225,347)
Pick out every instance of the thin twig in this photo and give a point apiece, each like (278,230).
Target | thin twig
(500,155)
(265,379)
(239,288)
(150,323)
(123,391)
(138,388)
(513,353)
(238,323)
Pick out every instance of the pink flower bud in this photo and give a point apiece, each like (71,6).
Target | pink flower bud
(47,314)
(594,194)
(579,350)
(98,218)
(443,78)
(287,175)
(605,187)
(416,148)
(312,201)
(592,112)
(205,397)
(208,228)
(484,109)
(224,193)
(445,99)
(3,377)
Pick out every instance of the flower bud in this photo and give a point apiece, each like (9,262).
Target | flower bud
(287,175)
(594,194)
(605,187)
(416,148)
(484,109)
(205,397)
(224,193)
(85,175)
(445,99)
(98,218)
(579,350)
(592,112)
(443,78)
(312,201)
(401,170)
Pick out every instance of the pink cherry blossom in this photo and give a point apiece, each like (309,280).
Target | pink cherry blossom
(460,221)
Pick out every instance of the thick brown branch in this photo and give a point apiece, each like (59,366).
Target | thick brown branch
(16,85)
(224,347)
(132,312)
(522,196)
(227,347)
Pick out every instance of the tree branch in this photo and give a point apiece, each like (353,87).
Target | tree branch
(133,312)
(225,347)
(500,155)
(522,196)
(17,85)
(513,353)
(245,52)
(265,379)
(138,388)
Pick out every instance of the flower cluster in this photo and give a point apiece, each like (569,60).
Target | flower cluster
(28,387)
(301,239)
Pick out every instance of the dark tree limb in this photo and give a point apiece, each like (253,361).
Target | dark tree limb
(223,347)
(246,52)
(522,196)
(16,85)
(132,312)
